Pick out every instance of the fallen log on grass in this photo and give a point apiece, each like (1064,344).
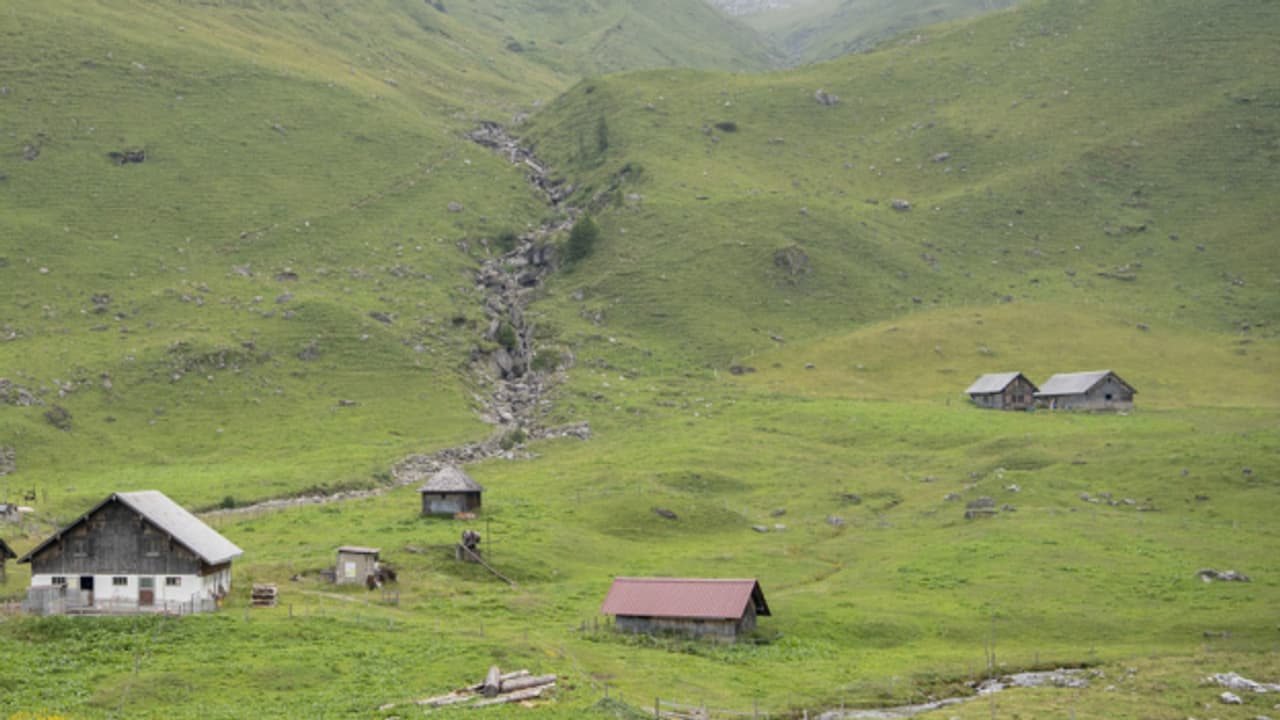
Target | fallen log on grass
(518,696)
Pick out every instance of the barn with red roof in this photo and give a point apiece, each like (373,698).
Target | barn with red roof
(714,607)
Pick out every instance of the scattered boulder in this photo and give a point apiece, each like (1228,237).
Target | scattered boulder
(942,157)
(286,275)
(30,152)
(126,157)
(1230,698)
(663,512)
(825,98)
(380,317)
(901,205)
(1208,575)
(58,417)
(851,498)
(740,369)
(975,513)
(760,528)
(310,352)
(793,261)
(8,461)
(1239,683)
(455,207)
(836,521)
(284,298)
(952,497)
(982,503)
(778,512)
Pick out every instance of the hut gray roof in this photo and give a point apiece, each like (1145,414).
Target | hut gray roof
(451,480)
(994,383)
(6,552)
(1076,383)
(170,517)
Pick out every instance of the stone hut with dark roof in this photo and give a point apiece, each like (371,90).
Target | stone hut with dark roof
(1003,391)
(699,607)
(1101,390)
(450,492)
(133,552)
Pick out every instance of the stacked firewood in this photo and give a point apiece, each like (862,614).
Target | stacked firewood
(497,688)
(264,595)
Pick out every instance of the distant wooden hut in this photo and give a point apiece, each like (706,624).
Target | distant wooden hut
(6,554)
(133,552)
(450,492)
(1003,391)
(1093,390)
(355,563)
(698,607)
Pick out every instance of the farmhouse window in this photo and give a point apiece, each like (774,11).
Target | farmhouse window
(173,581)
(119,581)
(79,547)
(58,580)
(151,547)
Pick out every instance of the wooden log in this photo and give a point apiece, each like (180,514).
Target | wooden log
(443,700)
(519,696)
(492,682)
(505,677)
(527,682)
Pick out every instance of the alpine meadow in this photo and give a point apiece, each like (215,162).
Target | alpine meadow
(687,289)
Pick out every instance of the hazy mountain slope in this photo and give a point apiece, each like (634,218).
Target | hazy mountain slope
(1050,154)
(810,30)
(590,37)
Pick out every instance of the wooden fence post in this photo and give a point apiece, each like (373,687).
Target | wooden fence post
(657,707)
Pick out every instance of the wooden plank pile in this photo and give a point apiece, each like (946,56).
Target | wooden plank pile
(264,595)
(497,689)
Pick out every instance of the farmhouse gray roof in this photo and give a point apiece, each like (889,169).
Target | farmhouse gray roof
(993,383)
(156,507)
(6,552)
(450,480)
(1076,383)
(707,598)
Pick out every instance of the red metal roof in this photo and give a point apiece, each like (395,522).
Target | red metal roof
(709,598)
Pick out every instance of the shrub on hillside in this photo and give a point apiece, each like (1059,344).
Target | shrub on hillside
(582,239)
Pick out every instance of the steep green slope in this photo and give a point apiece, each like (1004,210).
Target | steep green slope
(1062,155)
(289,243)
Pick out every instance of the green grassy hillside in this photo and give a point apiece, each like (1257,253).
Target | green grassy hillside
(301,163)
(1051,156)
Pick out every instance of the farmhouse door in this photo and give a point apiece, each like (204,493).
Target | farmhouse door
(146,591)
(86,588)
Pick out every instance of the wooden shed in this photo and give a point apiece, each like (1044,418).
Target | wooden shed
(355,563)
(133,552)
(1003,391)
(1092,390)
(699,607)
(6,554)
(450,492)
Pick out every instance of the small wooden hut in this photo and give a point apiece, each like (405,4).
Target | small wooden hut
(1093,390)
(355,563)
(450,492)
(6,554)
(700,607)
(1003,391)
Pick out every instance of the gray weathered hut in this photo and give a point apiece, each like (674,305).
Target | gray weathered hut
(1093,390)
(450,492)
(1003,391)
(6,554)
(355,563)
(712,607)
(133,552)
